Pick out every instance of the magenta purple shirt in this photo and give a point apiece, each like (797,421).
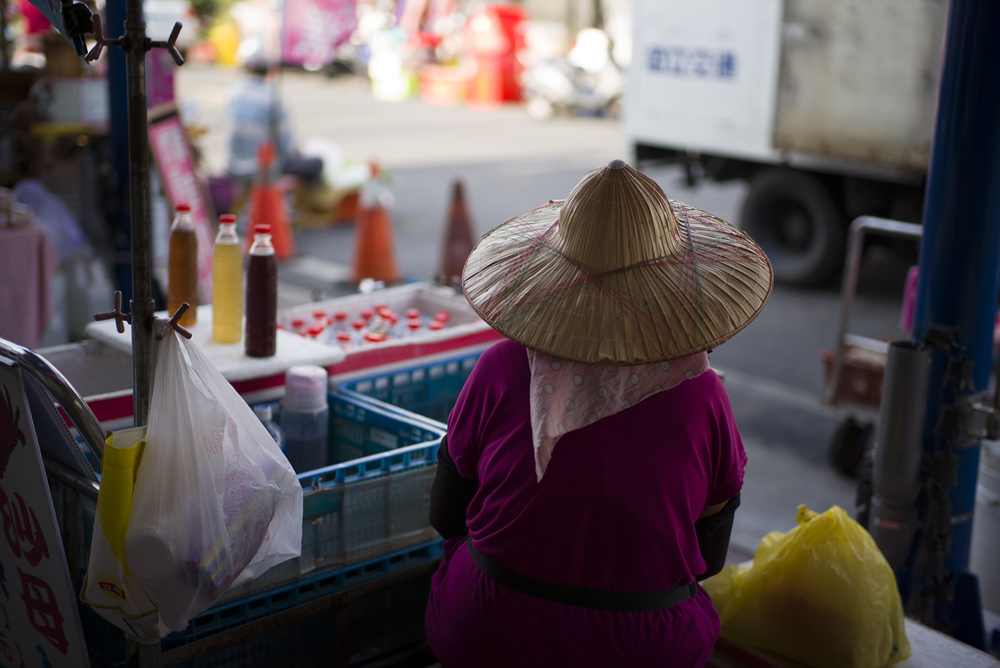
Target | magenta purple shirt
(615,510)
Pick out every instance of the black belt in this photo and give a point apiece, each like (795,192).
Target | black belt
(584,597)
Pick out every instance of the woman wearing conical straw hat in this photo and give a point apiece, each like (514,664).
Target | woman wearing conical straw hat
(592,464)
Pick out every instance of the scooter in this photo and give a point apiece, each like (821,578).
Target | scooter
(587,81)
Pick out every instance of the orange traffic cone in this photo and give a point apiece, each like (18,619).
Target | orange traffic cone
(458,238)
(374,256)
(267,206)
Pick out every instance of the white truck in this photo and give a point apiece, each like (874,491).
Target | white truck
(825,108)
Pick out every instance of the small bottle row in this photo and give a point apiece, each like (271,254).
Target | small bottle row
(370,326)
(244,303)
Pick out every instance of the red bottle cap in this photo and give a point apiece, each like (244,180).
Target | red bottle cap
(359,324)
(413,324)
(367,314)
(298,322)
(227,219)
(261,229)
(315,331)
(413,313)
(319,315)
(375,337)
(343,337)
(436,325)
(340,316)
(442,316)
(183,207)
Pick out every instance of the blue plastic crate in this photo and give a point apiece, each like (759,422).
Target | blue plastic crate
(287,644)
(230,615)
(372,499)
(429,389)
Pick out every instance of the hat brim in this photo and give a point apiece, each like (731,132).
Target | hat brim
(521,283)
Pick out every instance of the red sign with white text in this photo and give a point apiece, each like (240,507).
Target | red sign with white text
(39,618)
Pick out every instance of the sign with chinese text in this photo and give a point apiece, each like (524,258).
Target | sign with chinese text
(39,618)
(168,142)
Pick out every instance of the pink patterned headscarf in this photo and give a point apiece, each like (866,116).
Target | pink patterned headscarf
(567,395)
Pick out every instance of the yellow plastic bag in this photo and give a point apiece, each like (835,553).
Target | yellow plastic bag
(109,585)
(821,594)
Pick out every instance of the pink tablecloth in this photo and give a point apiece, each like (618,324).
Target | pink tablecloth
(27,264)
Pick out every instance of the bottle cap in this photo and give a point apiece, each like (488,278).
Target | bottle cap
(183,207)
(436,325)
(413,313)
(261,229)
(263,411)
(227,219)
(340,316)
(344,337)
(375,337)
(305,387)
(367,314)
(319,314)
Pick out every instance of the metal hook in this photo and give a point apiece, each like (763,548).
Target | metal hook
(119,317)
(101,41)
(169,44)
(172,324)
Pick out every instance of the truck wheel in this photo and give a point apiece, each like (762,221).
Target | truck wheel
(796,221)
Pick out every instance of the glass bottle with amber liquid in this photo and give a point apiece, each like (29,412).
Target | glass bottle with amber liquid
(227,283)
(261,296)
(182,266)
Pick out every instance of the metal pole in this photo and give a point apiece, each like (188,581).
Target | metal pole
(898,450)
(142,305)
(956,307)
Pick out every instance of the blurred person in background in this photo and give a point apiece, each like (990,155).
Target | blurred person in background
(590,553)
(256,115)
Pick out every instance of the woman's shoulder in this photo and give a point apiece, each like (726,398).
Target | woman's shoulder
(503,363)
(503,352)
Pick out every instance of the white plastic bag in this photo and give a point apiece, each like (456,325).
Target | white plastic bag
(216,503)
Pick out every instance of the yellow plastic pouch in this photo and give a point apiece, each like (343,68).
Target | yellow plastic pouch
(109,587)
(821,594)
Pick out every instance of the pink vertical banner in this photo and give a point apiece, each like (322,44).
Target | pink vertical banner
(160,69)
(168,142)
(313,29)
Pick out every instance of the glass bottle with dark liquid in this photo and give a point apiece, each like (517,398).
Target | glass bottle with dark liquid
(262,296)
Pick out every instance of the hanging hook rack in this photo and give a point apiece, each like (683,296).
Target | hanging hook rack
(162,326)
(120,318)
(122,42)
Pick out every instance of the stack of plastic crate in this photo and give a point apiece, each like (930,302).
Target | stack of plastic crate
(366,545)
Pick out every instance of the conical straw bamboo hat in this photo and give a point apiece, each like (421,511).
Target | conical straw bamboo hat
(617,274)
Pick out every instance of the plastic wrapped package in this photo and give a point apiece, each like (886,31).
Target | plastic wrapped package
(821,594)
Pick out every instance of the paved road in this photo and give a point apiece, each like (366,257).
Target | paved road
(509,164)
